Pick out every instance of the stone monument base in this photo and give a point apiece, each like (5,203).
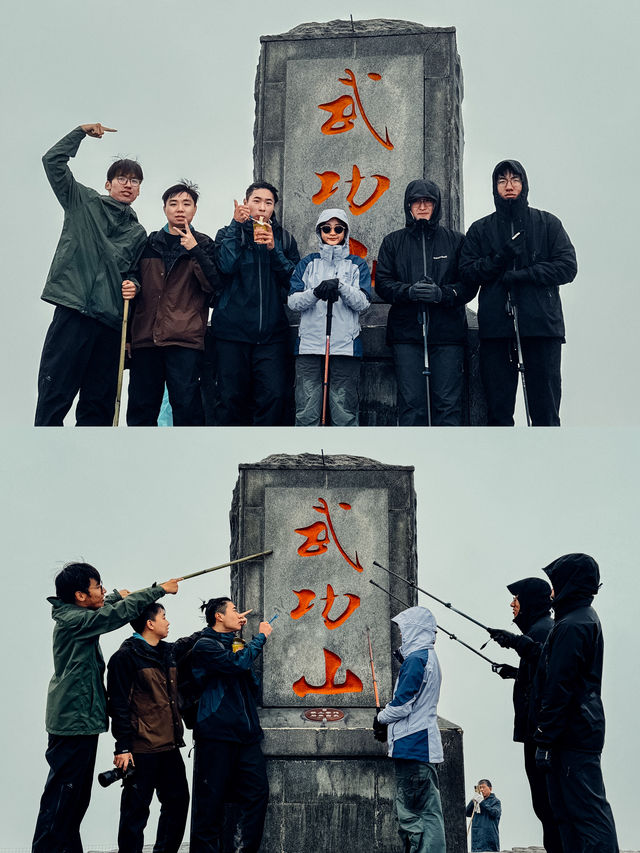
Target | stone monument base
(332,785)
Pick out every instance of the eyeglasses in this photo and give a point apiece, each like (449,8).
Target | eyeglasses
(337,229)
(123,180)
(502,182)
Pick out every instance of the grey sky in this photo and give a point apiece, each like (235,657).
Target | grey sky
(550,83)
(146,505)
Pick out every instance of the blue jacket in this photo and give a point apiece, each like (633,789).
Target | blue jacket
(412,714)
(227,708)
(255,284)
(484,828)
(354,295)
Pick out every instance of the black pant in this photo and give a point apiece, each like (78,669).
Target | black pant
(162,772)
(540,800)
(445,385)
(499,371)
(251,383)
(80,354)
(66,795)
(225,771)
(579,803)
(151,368)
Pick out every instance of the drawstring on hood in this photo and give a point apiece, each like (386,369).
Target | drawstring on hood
(575,579)
(418,628)
(422,189)
(534,597)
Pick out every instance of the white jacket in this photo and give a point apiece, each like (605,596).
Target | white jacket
(417,690)
(354,291)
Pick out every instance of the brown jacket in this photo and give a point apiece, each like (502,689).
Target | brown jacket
(142,697)
(172,305)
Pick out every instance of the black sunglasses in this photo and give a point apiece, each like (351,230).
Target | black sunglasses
(337,229)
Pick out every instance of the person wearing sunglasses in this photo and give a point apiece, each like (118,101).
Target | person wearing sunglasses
(100,243)
(332,277)
(417,273)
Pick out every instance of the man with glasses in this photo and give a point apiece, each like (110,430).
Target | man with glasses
(101,241)
(76,700)
(417,272)
(518,257)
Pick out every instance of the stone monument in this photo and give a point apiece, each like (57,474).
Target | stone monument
(347,113)
(327,519)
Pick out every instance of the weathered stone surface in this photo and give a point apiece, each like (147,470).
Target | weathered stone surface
(331,783)
(396,89)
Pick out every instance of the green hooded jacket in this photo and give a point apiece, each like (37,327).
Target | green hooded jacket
(76,699)
(101,241)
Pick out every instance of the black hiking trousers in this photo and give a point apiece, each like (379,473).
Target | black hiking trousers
(66,795)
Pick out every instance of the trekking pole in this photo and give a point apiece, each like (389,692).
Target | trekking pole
(373,673)
(325,383)
(512,311)
(224,565)
(435,597)
(427,369)
(123,343)
(440,628)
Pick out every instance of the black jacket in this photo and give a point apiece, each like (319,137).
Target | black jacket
(422,248)
(255,284)
(535,622)
(568,680)
(533,279)
(142,697)
(227,708)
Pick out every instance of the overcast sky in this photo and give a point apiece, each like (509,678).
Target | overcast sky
(148,505)
(550,83)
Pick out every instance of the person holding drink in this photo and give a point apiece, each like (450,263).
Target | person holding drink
(256,258)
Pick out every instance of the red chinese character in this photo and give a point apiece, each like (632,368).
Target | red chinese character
(343,111)
(305,599)
(382,185)
(332,663)
(316,544)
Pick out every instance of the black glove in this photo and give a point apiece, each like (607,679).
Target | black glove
(543,758)
(503,638)
(515,277)
(379,730)
(425,290)
(511,250)
(504,670)
(327,290)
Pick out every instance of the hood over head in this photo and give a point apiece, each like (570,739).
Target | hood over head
(575,579)
(422,189)
(534,596)
(504,205)
(333,213)
(418,628)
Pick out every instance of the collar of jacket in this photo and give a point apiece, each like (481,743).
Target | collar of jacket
(334,253)
(418,227)
(158,243)
(224,637)
(119,207)
(140,646)
(568,605)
